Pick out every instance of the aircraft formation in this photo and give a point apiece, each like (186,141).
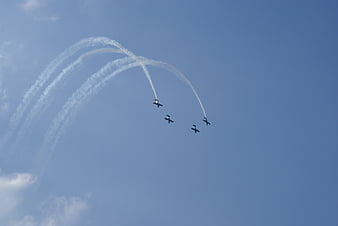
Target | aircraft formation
(56,74)
(169,120)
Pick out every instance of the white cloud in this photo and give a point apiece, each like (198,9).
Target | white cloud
(11,188)
(29,5)
(4,106)
(16,181)
(62,212)
(5,62)
(43,14)
(72,210)
(48,18)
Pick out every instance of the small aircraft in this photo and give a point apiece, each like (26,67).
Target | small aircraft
(206,121)
(169,119)
(157,103)
(195,129)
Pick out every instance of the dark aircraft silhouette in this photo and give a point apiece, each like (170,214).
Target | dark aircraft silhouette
(169,119)
(206,121)
(195,129)
(157,103)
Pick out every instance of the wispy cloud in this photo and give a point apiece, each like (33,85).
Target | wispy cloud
(63,212)
(15,182)
(68,211)
(5,63)
(4,105)
(29,5)
(59,211)
(11,188)
(39,10)
(48,18)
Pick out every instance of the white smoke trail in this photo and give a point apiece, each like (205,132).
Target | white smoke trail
(45,75)
(92,86)
(45,98)
(82,93)
(77,99)
(87,90)
(129,53)
(174,70)
(42,79)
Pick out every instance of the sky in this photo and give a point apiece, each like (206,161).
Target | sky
(266,73)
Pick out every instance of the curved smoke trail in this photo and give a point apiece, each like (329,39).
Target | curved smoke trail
(44,99)
(129,53)
(45,75)
(92,86)
(83,93)
(174,70)
(51,67)
(61,121)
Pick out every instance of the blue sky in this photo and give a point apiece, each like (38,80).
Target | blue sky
(266,72)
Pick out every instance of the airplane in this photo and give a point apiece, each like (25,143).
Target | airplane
(157,103)
(169,119)
(206,121)
(195,129)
